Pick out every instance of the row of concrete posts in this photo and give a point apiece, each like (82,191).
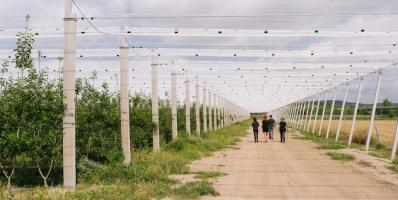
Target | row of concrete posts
(217,110)
(303,114)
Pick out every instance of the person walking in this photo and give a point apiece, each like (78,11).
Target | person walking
(282,129)
(255,126)
(271,125)
(265,127)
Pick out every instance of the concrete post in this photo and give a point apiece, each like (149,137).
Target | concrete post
(155,103)
(174,125)
(222,112)
(204,110)
(69,126)
(219,111)
(210,114)
(331,114)
(316,114)
(187,107)
(300,110)
(124,99)
(306,114)
(354,118)
(215,112)
(323,113)
(372,118)
(342,112)
(296,108)
(395,144)
(197,109)
(303,114)
(312,110)
(291,112)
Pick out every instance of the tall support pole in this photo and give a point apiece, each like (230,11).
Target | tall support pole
(300,110)
(316,114)
(299,114)
(291,114)
(303,114)
(297,105)
(306,115)
(331,113)
(395,144)
(219,111)
(155,102)
(222,112)
(342,112)
(204,110)
(197,109)
(372,118)
(187,107)
(215,112)
(124,99)
(354,118)
(323,113)
(312,110)
(210,113)
(69,126)
(174,125)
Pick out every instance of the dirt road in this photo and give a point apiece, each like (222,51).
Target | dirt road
(294,170)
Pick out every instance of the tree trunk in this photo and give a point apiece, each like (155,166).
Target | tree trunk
(48,172)
(8,177)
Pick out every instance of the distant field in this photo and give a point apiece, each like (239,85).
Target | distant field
(386,129)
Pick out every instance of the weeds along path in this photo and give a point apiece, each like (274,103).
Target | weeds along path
(294,170)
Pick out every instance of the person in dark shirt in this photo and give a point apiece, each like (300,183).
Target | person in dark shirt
(265,127)
(255,126)
(282,129)
(271,125)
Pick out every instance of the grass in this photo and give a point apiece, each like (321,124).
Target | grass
(148,177)
(394,166)
(208,175)
(376,149)
(340,156)
(331,145)
(379,154)
(193,190)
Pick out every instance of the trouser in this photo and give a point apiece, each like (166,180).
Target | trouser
(255,132)
(271,133)
(283,135)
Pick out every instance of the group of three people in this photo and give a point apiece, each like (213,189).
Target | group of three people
(268,125)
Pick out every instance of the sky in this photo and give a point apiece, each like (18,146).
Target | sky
(252,86)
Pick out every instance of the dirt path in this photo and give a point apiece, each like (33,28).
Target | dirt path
(295,170)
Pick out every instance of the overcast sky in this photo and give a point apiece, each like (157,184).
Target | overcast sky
(323,15)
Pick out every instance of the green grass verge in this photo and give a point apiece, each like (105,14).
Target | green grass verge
(394,166)
(194,190)
(340,156)
(208,175)
(148,177)
(376,150)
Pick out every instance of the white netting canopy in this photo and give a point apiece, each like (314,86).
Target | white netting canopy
(261,55)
